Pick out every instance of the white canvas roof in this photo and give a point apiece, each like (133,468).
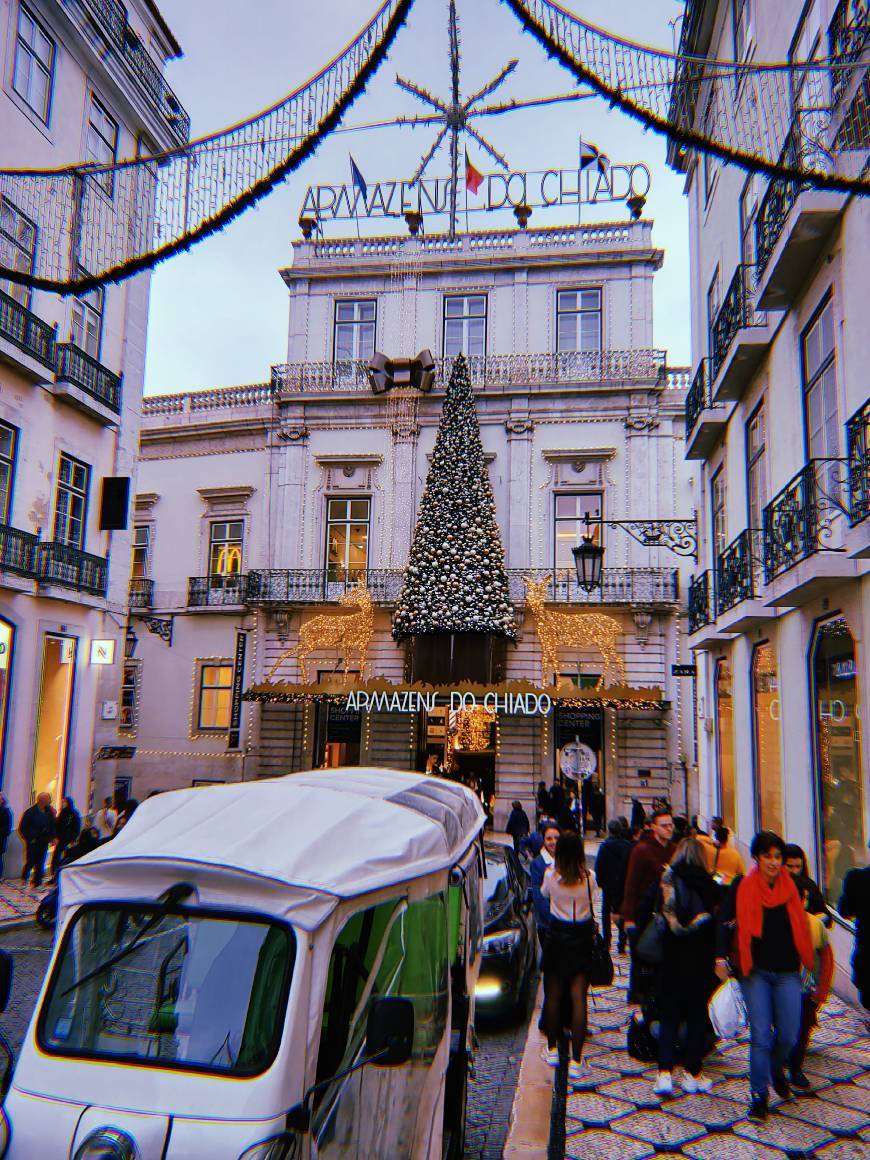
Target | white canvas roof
(309,839)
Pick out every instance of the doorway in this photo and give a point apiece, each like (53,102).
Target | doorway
(53,716)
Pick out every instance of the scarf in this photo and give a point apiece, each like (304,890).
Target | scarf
(753,895)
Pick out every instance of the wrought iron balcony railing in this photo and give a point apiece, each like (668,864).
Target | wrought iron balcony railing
(319,586)
(738,570)
(18,552)
(847,35)
(858,443)
(75,366)
(141,593)
(735,313)
(70,567)
(618,586)
(217,591)
(26,330)
(701,602)
(698,399)
(806,517)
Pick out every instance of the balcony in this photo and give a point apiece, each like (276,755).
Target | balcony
(848,35)
(87,384)
(18,552)
(141,592)
(217,591)
(739,576)
(858,451)
(278,586)
(702,611)
(631,586)
(70,567)
(705,420)
(739,338)
(805,534)
(28,334)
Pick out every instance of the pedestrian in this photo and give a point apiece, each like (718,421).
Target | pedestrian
(105,819)
(568,949)
(772,943)
(530,848)
(816,985)
(518,824)
(638,814)
(649,856)
(723,861)
(6,823)
(596,807)
(67,827)
(538,868)
(855,904)
(87,840)
(542,797)
(125,813)
(686,979)
(37,829)
(611,864)
(808,889)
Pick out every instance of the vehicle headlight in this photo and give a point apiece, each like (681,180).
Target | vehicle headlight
(283,1147)
(501,942)
(108,1144)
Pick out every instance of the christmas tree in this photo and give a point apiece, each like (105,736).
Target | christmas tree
(456,581)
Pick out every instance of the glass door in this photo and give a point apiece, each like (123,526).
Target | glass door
(53,716)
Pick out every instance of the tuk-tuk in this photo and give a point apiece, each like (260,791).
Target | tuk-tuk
(272,970)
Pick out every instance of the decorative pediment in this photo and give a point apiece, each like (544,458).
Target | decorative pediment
(348,470)
(144,501)
(226,500)
(579,466)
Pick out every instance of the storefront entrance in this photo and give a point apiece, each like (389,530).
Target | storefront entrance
(53,716)
(579,758)
(338,733)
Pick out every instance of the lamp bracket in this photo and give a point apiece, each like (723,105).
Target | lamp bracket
(679,536)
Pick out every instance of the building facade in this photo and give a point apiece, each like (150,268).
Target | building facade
(777,423)
(80,81)
(259,507)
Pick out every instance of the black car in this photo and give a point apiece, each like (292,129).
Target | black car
(508,958)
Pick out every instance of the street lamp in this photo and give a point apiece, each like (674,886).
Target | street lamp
(130,642)
(588,557)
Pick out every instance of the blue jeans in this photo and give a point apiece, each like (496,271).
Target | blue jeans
(773,999)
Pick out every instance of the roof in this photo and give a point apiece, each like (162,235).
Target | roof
(317,837)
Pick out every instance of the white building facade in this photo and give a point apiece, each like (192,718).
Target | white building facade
(777,424)
(258,507)
(80,81)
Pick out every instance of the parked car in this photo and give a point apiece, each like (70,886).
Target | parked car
(508,959)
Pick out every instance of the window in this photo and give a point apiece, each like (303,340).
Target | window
(8,449)
(86,329)
(820,386)
(347,538)
(141,565)
(712,307)
(711,162)
(71,502)
(129,695)
(225,548)
(215,697)
(806,84)
(742,29)
(568,524)
(838,754)
(7,642)
(17,248)
(34,64)
(464,324)
(717,498)
(756,467)
(748,210)
(354,332)
(102,143)
(578,320)
(724,694)
(767,753)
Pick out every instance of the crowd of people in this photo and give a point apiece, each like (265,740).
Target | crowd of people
(63,832)
(691,917)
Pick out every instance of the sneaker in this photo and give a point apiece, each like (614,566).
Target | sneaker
(800,1081)
(550,1056)
(695,1083)
(578,1073)
(781,1086)
(664,1085)
(758,1108)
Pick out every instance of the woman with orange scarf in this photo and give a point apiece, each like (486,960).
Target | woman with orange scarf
(773,943)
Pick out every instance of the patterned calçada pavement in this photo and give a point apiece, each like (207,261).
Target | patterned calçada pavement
(617,1115)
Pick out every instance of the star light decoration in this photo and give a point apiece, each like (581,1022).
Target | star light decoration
(454,115)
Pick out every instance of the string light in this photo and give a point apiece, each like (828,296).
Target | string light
(473,729)
(348,632)
(573,629)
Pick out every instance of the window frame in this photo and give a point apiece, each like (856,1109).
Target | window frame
(710,162)
(72,490)
(132,668)
(227,543)
(747,225)
(760,823)
(579,313)
(22,45)
(807,383)
(753,459)
(347,522)
(356,324)
(88,309)
(718,664)
(718,478)
(201,687)
(105,182)
(22,294)
(134,547)
(10,462)
(464,318)
(597,530)
(741,32)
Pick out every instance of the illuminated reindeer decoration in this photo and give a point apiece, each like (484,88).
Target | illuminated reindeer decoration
(573,630)
(349,631)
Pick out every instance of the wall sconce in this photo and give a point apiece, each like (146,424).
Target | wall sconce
(130,642)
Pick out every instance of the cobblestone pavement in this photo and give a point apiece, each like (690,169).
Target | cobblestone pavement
(618,1116)
(17,900)
(491,1092)
(30,948)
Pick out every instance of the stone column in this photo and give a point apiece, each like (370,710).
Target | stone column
(520,433)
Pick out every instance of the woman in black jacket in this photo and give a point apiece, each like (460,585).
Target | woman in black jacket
(67,828)
(685,980)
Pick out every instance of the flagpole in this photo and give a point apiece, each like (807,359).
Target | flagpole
(579,175)
(466,197)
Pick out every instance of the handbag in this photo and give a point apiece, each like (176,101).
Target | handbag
(650,948)
(727,1010)
(600,962)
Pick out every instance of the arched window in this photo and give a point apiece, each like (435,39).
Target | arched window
(838,754)
(768,745)
(725,742)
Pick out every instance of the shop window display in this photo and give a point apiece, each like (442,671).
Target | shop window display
(768,745)
(725,742)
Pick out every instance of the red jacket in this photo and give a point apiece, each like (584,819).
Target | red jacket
(648,859)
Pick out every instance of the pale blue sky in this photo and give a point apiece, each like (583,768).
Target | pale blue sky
(219,312)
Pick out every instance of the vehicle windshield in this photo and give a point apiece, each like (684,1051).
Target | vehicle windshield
(496,884)
(200,990)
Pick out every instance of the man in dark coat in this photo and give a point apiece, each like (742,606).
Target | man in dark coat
(611,865)
(518,824)
(68,827)
(649,856)
(855,904)
(37,830)
(6,821)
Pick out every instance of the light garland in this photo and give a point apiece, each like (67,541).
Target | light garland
(573,629)
(473,729)
(350,632)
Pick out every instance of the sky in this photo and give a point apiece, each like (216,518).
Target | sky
(219,312)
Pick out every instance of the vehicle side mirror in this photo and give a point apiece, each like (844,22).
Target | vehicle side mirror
(390,1032)
(5,979)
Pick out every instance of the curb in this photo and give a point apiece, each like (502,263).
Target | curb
(18,923)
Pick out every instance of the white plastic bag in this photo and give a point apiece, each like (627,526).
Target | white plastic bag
(727,1010)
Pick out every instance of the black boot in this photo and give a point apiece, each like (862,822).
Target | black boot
(758,1108)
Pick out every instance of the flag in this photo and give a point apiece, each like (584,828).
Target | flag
(589,155)
(357,178)
(473,177)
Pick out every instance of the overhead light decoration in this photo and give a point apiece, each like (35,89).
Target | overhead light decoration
(575,629)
